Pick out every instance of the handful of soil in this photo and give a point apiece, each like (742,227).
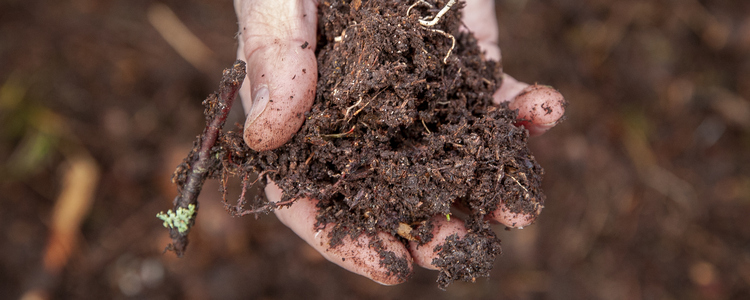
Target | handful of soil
(402,128)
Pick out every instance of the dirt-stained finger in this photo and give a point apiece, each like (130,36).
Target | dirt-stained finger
(381,258)
(442,228)
(277,40)
(540,108)
(282,90)
(515,219)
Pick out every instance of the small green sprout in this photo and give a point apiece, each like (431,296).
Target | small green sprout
(448,216)
(177,220)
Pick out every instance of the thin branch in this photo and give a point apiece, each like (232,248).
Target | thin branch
(200,161)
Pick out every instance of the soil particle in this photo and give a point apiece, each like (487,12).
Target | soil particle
(396,266)
(402,128)
(466,258)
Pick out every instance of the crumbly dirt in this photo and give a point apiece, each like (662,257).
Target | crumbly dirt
(117,89)
(402,128)
(465,258)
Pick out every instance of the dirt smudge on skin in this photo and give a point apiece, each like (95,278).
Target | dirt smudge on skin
(399,133)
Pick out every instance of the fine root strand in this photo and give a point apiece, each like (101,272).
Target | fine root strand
(453,42)
(437,17)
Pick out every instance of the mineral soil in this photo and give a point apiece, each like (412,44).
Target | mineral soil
(402,128)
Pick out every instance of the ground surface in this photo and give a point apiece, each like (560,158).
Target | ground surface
(647,182)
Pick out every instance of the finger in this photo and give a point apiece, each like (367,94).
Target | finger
(517,219)
(479,16)
(504,215)
(354,255)
(277,40)
(442,229)
(540,108)
(509,89)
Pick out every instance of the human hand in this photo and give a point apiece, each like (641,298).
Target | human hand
(280,88)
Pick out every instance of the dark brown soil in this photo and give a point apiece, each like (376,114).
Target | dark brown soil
(646,182)
(402,128)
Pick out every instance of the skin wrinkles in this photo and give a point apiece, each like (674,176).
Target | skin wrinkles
(277,19)
(355,256)
(271,36)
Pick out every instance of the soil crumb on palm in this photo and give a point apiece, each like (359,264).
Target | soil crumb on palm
(402,128)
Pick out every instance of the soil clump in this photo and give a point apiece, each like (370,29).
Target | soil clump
(403,127)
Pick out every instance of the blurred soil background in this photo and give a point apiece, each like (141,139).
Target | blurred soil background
(648,180)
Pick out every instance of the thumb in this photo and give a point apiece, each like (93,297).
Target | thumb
(277,40)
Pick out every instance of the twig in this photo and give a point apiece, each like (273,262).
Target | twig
(199,162)
(519,184)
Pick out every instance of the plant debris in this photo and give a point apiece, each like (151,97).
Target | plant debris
(202,162)
(402,128)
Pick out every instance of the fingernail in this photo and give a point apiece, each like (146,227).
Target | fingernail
(260,102)
(383,283)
